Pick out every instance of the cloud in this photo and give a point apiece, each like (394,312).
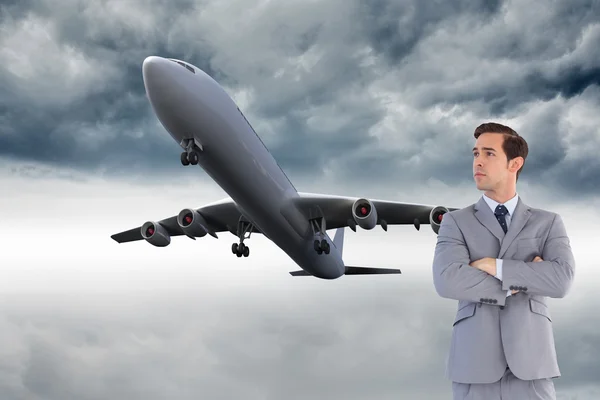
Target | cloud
(352,89)
(308,340)
(376,99)
(88,318)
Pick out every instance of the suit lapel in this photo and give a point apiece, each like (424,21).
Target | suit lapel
(517,222)
(487,218)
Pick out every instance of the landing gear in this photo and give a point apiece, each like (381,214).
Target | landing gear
(190,158)
(318,227)
(322,246)
(191,154)
(184,159)
(240,249)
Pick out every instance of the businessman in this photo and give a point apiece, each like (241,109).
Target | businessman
(502,259)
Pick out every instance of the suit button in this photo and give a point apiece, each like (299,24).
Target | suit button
(525,288)
(502,307)
(494,301)
(512,287)
(482,299)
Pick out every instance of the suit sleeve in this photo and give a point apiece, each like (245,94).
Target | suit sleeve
(453,277)
(553,276)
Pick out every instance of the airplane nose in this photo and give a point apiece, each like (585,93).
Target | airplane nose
(165,86)
(162,83)
(154,74)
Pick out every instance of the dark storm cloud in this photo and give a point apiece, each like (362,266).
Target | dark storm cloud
(319,79)
(561,156)
(350,137)
(304,341)
(111,127)
(569,81)
(394,28)
(530,84)
(115,134)
(519,60)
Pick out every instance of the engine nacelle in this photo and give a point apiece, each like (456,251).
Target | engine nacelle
(192,223)
(155,234)
(435,217)
(364,213)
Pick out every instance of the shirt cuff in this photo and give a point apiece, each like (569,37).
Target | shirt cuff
(509,293)
(498,269)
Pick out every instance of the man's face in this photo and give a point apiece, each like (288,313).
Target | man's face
(490,160)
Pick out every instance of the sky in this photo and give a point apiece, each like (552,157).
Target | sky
(376,99)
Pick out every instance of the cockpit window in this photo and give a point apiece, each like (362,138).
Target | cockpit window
(184,65)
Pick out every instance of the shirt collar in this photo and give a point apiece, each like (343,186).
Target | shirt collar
(510,204)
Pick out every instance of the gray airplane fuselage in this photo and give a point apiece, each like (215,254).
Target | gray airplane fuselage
(193,105)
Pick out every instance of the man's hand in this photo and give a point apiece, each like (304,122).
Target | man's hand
(536,259)
(486,264)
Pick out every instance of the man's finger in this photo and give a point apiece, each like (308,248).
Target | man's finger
(515,292)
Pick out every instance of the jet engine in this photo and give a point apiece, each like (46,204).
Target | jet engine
(364,213)
(155,234)
(192,223)
(435,217)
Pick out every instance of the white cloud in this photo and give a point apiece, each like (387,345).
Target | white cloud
(44,71)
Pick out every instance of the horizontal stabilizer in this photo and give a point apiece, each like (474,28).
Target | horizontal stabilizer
(300,273)
(368,271)
(350,270)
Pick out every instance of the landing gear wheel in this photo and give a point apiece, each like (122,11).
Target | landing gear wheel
(322,246)
(325,246)
(318,228)
(240,249)
(317,247)
(184,159)
(193,157)
(244,230)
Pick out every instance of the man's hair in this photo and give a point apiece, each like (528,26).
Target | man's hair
(514,145)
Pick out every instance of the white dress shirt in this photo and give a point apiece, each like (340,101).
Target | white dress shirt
(510,206)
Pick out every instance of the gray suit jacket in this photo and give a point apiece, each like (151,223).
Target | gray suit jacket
(492,330)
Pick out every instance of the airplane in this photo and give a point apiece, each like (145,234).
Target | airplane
(215,135)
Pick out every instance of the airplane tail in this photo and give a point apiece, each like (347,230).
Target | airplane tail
(338,241)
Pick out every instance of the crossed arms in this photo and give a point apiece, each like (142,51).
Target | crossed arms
(456,277)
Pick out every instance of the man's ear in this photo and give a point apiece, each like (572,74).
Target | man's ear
(515,164)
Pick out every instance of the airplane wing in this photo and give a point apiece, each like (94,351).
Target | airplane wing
(220,216)
(337,210)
